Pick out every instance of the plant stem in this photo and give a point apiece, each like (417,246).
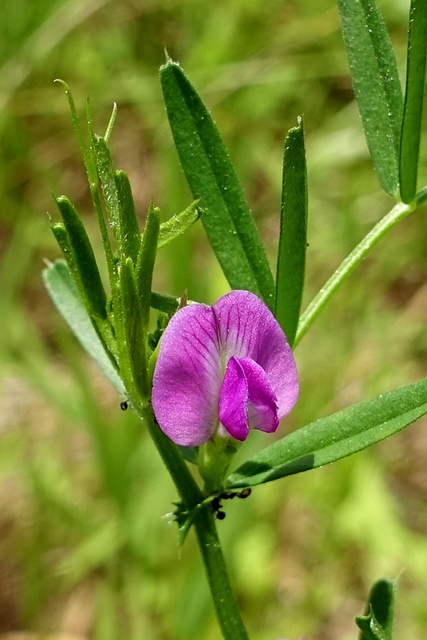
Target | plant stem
(227,610)
(349,264)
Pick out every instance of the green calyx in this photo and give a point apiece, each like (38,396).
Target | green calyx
(213,461)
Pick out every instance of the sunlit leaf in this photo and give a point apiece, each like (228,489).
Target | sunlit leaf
(107,179)
(82,259)
(134,329)
(178,224)
(145,264)
(334,437)
(64,293)
(414,96)
(376,85)
(293,233)
(130,238)
(211,176)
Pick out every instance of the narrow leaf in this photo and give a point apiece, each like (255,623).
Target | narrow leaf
(109,188)
(111,123)
(78,129)
(179,223)
(377,623)
(163,302)
(211,176)
(376,85)
(336,436)
(145,266)
(82,259)
(414,96)
(61,236)
(134,328)
(293,233)
(94,186)
(130,231)
(64,294)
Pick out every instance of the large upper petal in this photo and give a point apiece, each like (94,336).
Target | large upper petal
(248,329)
(188,375)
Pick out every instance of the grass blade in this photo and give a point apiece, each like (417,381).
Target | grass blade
(414,95)
(227,218)
(376,85)
(334,437)
(293,233)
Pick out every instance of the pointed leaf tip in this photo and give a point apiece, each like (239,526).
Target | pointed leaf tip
(376,85)
(210,174)
(291,256)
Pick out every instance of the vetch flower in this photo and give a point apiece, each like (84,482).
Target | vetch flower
(222,370)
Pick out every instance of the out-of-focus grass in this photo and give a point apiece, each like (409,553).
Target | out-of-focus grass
(83,545)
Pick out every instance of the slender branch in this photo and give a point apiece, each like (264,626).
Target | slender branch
(349,264)
(227,610)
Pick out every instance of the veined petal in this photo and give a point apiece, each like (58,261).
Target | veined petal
(248,329)
(262,405)
(246,399)
(233,400)
(260,384)
(187,377)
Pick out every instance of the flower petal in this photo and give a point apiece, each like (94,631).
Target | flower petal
(248,329)
(262,406)
(233,400)
(246,399)
(187,377)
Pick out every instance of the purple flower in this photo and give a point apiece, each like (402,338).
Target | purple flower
(223,370)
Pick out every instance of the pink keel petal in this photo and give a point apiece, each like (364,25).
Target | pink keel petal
(187,377)
(233,400)
(246,399)
(262,408)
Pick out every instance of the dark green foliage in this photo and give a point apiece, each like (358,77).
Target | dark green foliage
(377,623)
(293,233)
(212,179)
(376,85)
(334,437)
(414,97)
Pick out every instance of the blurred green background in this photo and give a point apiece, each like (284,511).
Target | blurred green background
(85,550)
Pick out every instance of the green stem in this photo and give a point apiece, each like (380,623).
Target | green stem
(349,264)
(225,603)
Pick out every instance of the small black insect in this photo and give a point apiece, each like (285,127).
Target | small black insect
(216,502)
(124,405)
(216,506)
(245,493)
